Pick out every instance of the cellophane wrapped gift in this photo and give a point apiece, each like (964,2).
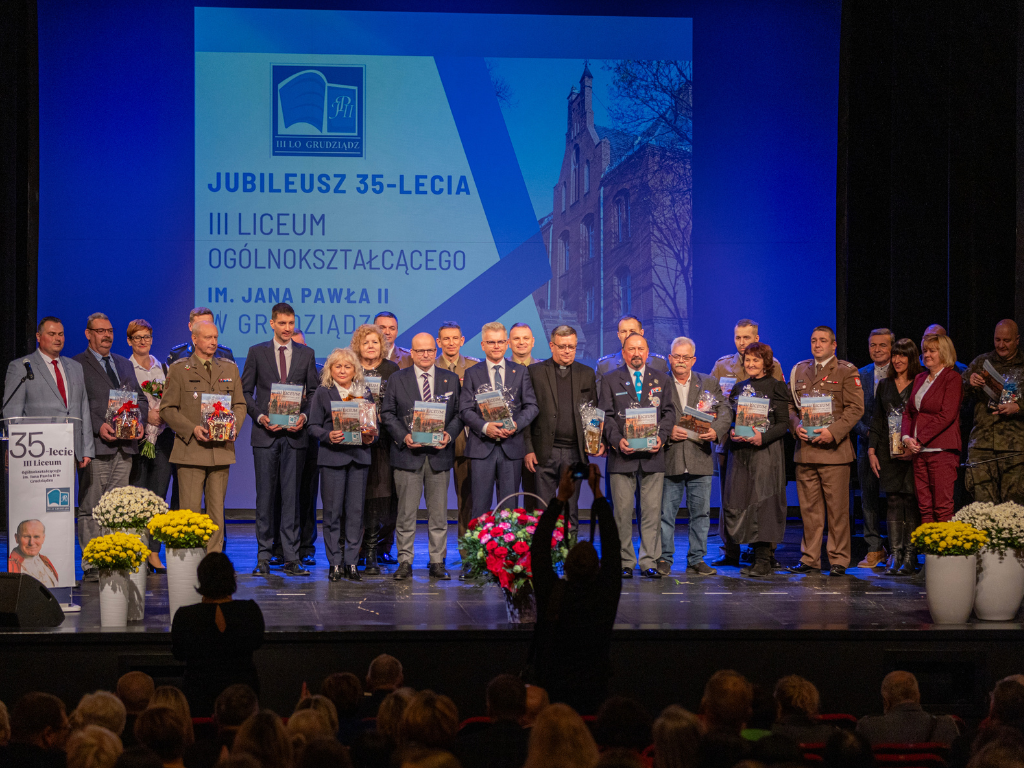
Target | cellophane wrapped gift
(123,414)
(593,426)
(895,424)
(1011,388)
(218,416)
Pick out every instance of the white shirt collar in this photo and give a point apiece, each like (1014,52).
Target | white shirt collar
(287,345)
(824,363)
(632,373)
(49,360)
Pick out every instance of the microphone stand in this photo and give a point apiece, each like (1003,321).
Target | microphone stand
(23,380)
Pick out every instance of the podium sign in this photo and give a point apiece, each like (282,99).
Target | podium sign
(41,501)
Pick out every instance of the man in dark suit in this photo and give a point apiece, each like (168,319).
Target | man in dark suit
(637,385)
(555,438)
(104,371)
(278,451)
(880,343)
(421,470)
(496,451)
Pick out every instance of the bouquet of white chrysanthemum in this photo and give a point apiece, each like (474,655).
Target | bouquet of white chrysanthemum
(1004,523)
(127,508)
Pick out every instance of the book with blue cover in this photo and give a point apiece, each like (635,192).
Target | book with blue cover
(285,404)
(815,413)
(345,418)
(494,408)
(427,425)
(751,414)
(641,428)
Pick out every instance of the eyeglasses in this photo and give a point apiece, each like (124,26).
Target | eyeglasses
(423,351)
(140,337)
(102,331)
(683,358)
(501,343)
(565,347)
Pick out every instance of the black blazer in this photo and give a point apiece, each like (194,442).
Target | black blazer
(618,394)
(540,437)
(260,372)
(321,424)
(98,386)
(402,392)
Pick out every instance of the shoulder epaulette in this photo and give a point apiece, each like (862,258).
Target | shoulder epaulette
(848,364)
(655,354)
(808,361)
(472,359)
(180,360)
(177,347)
(607,357)
(723,358)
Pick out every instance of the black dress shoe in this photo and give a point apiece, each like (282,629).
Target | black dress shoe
(801,568)
(261,569)
(352,573)
(404,571)
(154,569)
(387,558)
(294,569)
(335,573)
(837,570)
(727,561)
(371,570)
(651,573)
(276,561)
(464,575)
(437,571)
(627,573)
(308,560)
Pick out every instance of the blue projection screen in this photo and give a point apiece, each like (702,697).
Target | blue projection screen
(469,167)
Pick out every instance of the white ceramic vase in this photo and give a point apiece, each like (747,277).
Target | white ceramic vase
(181,577)
(1000,586)
(949,585)
(114,588)
(137,594)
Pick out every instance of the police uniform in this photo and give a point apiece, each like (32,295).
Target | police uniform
(823,471)
(186,350)
(614,361)
(401,356)
(731,367)
(201,466)
(463,486)
(997,474)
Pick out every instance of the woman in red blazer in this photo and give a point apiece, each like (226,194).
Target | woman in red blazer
(931,428)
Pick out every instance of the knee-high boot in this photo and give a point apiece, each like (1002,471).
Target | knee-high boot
(913,517)
(371,535)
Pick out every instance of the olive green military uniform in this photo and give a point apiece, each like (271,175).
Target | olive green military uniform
(997,474)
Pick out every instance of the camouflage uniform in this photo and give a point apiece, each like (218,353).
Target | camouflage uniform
(995,437)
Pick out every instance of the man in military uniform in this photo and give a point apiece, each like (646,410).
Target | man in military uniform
(728,370)
(185,350)
(628,324)
(388,324)
(995,464)
(823,463)
(202,464)
(450,341)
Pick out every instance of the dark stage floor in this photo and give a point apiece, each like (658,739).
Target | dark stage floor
(863,600)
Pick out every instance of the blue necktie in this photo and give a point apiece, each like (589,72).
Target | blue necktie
(638,384)
(498,383)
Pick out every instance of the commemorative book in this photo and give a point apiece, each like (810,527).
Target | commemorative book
(373,384)
(815,413)
(494,408)
(285,404)
(751,414)
(694,422)
(124,415)
(727,383)
(641,428)
(345,418)
(428,423)
(994,381)
(218,416)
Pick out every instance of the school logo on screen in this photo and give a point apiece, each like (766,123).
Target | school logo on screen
(317,110)
(58,499)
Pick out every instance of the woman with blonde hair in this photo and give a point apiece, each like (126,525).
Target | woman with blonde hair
(797,702)
(173,698)
(381,505)
(264,737)
(931,428)
(389,714)
(101,708)
(560,739)
(93,747)
(344,466)
(677,735)
(430,720)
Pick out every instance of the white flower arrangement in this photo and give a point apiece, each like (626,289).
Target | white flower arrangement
(1004,523)
(127,508)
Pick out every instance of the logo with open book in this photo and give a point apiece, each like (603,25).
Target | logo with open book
(317,110)
(58,499)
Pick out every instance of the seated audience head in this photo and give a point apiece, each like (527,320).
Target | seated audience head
(620,758)
(998,747)
(135,689)
(345,691)
(324,753)
(169,696)
(677,734)
(41,720)
(139,757)
(795,695)
(506,698)
(236,704)
(324,706)
(264,737)
(899,688)
(726,704)
(101,708)
(537,700)
(430,720)
(307,725)
(1007,706)
(848,749)
(5,725)
(385,674)
(582,565)
(560,739)
(391,711)
(93,746)
(216,576)
(162,730)
(429,758)
(622,723)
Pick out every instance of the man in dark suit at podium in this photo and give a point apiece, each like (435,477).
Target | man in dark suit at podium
(278,452)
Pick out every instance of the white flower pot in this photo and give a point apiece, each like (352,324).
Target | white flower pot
(114,586)
(949,585)
(137,594)
(181,577)
(1000,586)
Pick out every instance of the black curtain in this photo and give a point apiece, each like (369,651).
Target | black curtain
(926,204)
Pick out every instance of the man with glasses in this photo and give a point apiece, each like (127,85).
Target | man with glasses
(104,371)
(421,470)
(496,450)
(555,438)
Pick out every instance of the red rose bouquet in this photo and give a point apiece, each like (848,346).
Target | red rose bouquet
(497,547)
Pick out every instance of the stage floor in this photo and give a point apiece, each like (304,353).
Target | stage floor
(863,600)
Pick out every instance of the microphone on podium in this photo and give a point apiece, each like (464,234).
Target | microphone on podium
(28,370)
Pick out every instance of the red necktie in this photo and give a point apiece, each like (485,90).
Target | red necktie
(60,383)
(283,364)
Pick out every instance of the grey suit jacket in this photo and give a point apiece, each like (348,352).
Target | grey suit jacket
(540,437)
(98,386)
(696,457)
(260,373)
(40,397)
